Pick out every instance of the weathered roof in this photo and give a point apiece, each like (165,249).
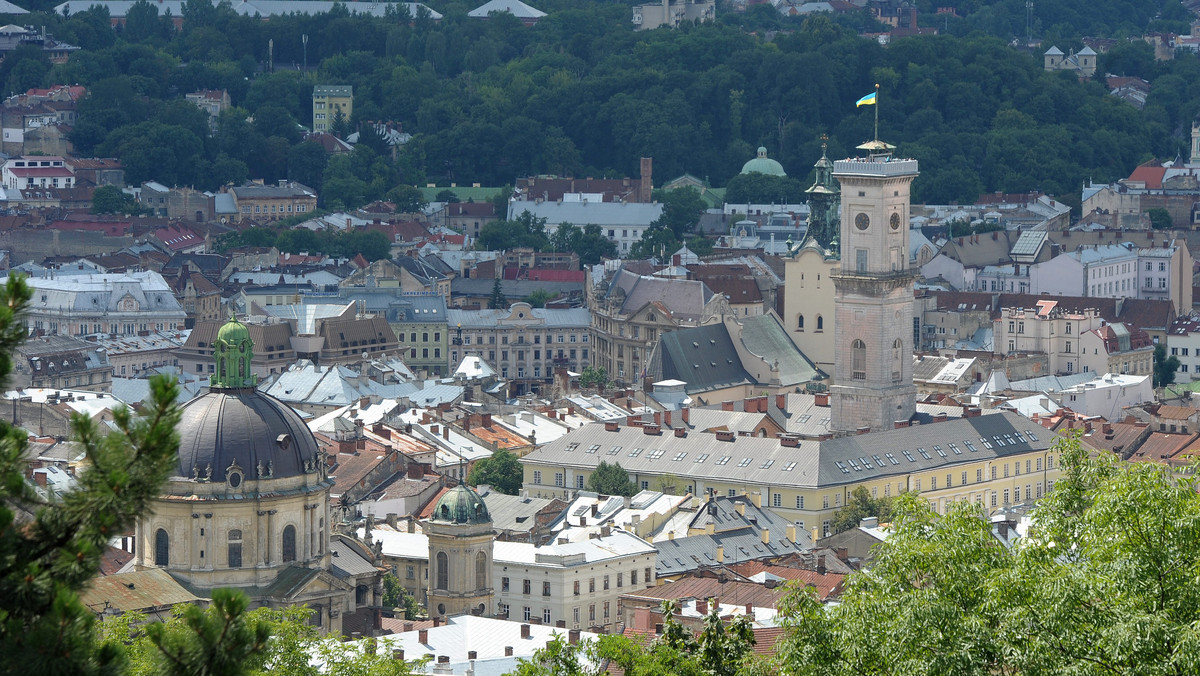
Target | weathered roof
(703,357)
(140,590)
(514,7)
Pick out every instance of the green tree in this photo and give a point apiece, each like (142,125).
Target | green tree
(589,242)
(611,479)
(109,199)
(539,298)
(502,471)
(407,198)
(593,376)
(496,301)
(859,506)
(1160,219)
(1102,583)
(526,231)
(50,548)
(1165,367)
(396,596)
(681,210)
(656,242)
(220,640)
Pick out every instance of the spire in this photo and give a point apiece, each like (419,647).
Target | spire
(233,351)
(823,199)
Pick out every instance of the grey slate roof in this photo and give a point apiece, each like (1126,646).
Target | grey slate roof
(513,512)
(489,319)
(739,535)
(764,336)
(684,298)
(703,357)
(812,464)
(513,289)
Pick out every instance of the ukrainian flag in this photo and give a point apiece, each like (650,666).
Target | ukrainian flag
(868,100)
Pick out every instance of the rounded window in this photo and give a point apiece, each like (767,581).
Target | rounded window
(862,221)
(895,221)
(235,479)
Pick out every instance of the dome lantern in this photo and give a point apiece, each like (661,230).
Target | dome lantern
(233,350)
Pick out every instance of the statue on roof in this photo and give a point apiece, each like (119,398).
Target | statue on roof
(824,199)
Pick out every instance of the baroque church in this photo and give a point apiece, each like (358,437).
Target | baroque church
(248,505)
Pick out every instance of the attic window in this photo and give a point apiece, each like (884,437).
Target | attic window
(892,458)
(939,451)
(1030,435)
(655,454)
(701,458)
(970,446)
(878,461)
(614,450)
(744,463)
(635,452)
(842,466)
(924,453)
(955,448)
(593,448)
(724,460)
(766,464)
(790,466)
(571,447)
(909,455)
(679,456)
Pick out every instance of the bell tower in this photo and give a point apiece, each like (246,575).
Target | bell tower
(873,385)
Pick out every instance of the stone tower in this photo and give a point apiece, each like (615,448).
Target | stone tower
(823,202)
(460,555)
(1195,154)
(873,385)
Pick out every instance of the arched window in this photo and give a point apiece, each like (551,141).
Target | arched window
(443,571)
(235,548)
(858,360)
(162,548)
(289,544)
(897,355)
(820,323)
(480,571)
(800,323)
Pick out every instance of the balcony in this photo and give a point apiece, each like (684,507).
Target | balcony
(457,341)
(561,361)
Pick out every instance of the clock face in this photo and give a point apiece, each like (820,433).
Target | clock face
(862,221)
(895,221)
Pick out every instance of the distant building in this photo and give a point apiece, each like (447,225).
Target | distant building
(328,101)
(28,172)
(1082,62)
(211,101)
(260,202)
(59,362)
(672,13)
(524,13)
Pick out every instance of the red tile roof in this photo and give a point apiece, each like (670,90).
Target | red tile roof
(1152,175)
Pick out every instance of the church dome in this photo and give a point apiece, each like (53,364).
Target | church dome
(236,432)
(763,165)
(231,429)
(461,505)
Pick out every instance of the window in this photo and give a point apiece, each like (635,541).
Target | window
(504,584)
(235,548)
(800,323)
(647,578)
(592,608)
(620,580)
(858,359)
(442,572)
(820,323)
(606,582)
(799,502)
(546,588)
(576,614)
(537,476)
(411,572)
(289,543)
(546,616)
(576,588)
(579,481)
(481,571)
(606,605)
(162,548)
(776,500)
(592,585)
(528,614)
(558,478)
(525,586)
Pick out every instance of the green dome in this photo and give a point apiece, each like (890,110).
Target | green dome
(461,505)
(233,332)
(763,165)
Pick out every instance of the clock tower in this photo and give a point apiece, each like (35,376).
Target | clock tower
(873,325)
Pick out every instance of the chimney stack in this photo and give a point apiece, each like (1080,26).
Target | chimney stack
(524,631)
(423,636)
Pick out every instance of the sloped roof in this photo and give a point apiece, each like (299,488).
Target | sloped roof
(139,590)
(703,357)
(765,336)
(514,7)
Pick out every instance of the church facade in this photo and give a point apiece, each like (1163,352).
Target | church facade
(248,505)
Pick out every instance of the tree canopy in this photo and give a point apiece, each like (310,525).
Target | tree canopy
(501,470)
(611,479)
(1101,583)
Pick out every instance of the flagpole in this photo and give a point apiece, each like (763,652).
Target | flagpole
(876,111)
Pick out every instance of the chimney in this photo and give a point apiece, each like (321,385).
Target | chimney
(524,631)
(727,406)
(632,420)
(843,553)
(821,564)
(611,426)
(720,554)
(702,606)
(573,636)
(791,532)
(408,626)
(756,498)
(398,654)
(666,418)
(446,432)
(487,420)
(423,636)
(740,506)
(900,424)
(750,610)
(724,435)
(654,429)
(862,430)
(435,430)
(508,651)
(658,417)
(821,399)
(680,432)
(766,536)
(437,622)
(940,417)
(472,655)
(646,189)
(781,402)
(789,440)
(443,659)
(685,415)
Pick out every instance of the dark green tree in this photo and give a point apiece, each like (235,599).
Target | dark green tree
(502,471)
(589,242)
(539,298)
(611,479)
(496,301)
(1165,367)
(407,198)
(396,596)
(656,242)
(860,506)
(109,199)
(1160,219)
(50,548)
(681,210)
(593,376)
